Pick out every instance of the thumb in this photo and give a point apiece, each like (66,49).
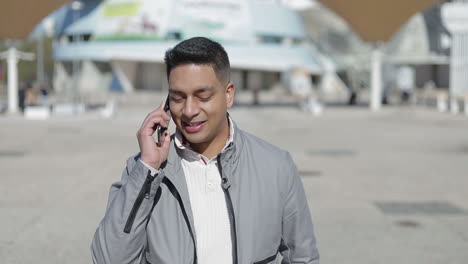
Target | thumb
(166,142)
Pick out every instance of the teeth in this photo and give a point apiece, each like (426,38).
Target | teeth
(194,124)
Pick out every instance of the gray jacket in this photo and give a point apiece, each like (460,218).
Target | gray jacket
(149,219)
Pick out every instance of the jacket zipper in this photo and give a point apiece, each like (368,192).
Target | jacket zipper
(144,193)
(232,219)
(176,195)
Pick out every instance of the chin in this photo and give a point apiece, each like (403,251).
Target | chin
(195,138)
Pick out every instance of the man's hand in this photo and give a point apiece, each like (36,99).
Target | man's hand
(152,153)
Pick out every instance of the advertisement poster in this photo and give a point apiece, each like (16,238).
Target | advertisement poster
(222,20)
(133,20)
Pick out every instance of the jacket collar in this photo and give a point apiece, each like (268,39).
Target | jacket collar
(229,158)
(186,152)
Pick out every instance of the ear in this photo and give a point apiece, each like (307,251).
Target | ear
(230,92)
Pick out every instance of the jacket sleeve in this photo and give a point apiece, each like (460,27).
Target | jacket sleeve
(298,243)
(121,235)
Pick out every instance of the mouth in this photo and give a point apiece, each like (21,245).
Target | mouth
(193,127)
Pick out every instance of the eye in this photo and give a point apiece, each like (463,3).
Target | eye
(176,98)
(204,98)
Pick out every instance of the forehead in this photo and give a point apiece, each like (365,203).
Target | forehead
(192,76)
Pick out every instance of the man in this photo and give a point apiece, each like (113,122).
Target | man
(211,193)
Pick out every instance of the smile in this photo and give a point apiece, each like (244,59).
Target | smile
(193,127)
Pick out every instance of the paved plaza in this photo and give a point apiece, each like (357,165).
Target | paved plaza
(387,187)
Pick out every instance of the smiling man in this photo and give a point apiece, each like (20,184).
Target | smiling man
(210,193)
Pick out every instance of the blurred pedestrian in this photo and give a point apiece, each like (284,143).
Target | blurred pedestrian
(43,93)
(22,95)
(31,95)
(406,82)
(302,88)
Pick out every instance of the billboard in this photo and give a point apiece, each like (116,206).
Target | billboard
(133,20)
(222,20)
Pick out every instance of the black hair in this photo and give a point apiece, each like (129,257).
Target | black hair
(200,51)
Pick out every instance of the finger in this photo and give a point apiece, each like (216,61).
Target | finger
(158,111)
(150,126)
(155,121)
(161,106)
(165,116)
(163,103)
(157,114)
(147,117)
(166,142)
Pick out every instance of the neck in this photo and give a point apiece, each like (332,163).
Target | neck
(214,147)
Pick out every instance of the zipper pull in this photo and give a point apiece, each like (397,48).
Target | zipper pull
(143,194)
(148,182)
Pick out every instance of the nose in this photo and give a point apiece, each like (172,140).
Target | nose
(191,108)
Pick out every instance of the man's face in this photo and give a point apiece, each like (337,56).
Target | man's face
(199,102)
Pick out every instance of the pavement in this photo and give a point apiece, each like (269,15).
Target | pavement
(386,187)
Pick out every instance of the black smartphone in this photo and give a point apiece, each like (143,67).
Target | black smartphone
(159,129)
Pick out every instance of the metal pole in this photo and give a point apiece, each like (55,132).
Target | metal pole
(74,93)
(76,6)
(376,78)
(12,80)
(40,59)
(454,76)
(456,21)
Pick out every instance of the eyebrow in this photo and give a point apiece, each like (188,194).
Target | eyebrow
(199,90)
